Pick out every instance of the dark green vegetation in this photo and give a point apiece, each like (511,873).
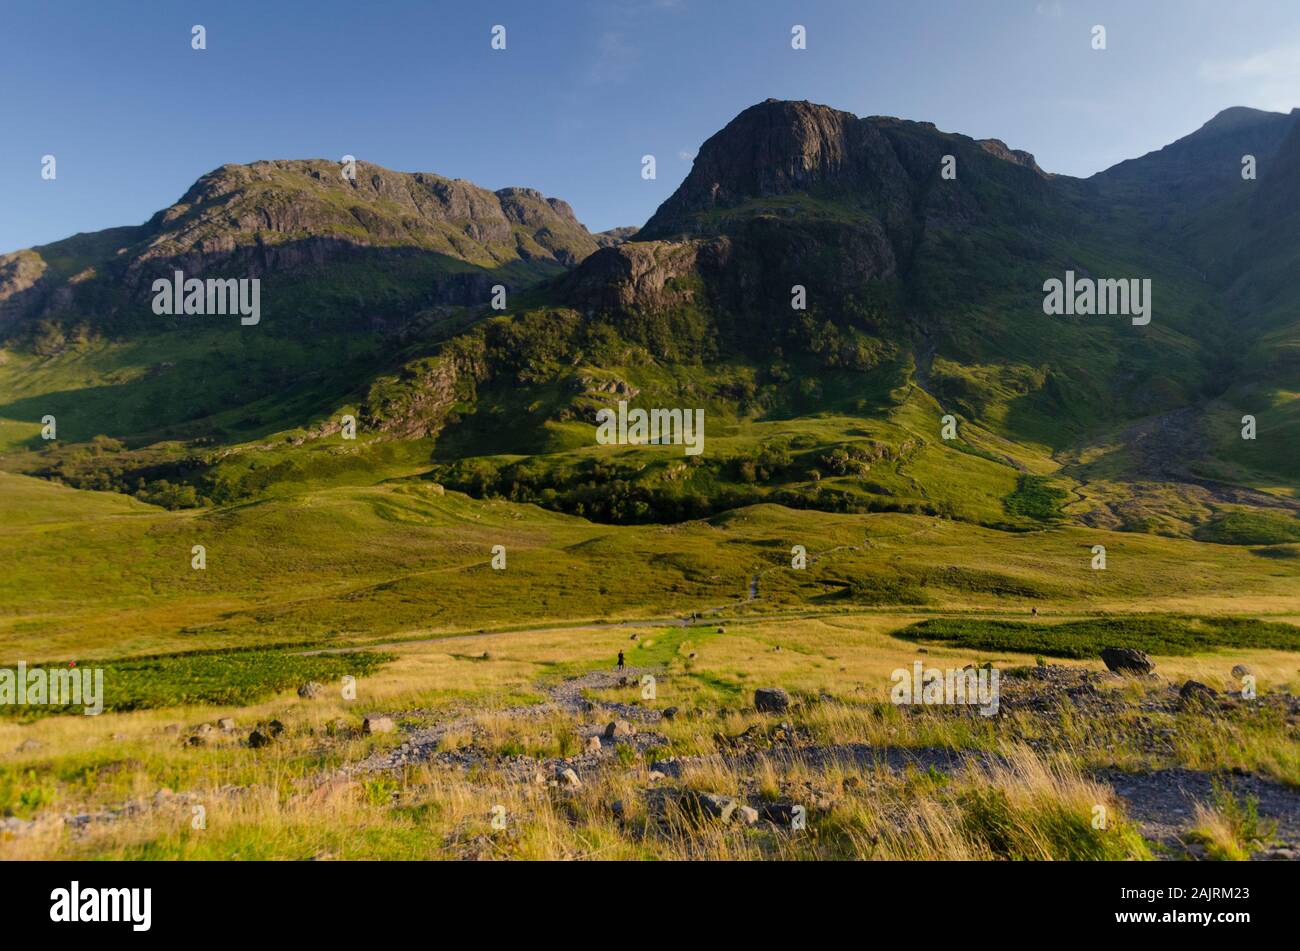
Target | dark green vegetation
(1035,497)
(1250,528)
(223,678)
(1168,635)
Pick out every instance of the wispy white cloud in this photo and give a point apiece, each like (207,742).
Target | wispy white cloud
(1050,8)
(614,59)
(1268,80)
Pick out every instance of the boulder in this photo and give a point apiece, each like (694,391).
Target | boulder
(226,724)
(374,725)
(747,814)
(779,813)
(259,738)
(569,778)
(771,700)
(593,744)
(712,805)
(1241,670)
(311,690)
(670,713)
(1194,693)
(1127,660)
(618,728)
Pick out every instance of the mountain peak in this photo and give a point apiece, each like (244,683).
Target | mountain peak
(877,165)
(773,148)
(284,214)
(1198,166)
(1236,117)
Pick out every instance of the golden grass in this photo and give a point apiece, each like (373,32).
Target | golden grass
(87,763)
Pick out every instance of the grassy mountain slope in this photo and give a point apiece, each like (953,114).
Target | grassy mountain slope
(922,293)
(347,267)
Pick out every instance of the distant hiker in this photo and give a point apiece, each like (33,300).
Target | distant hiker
(1033,612)
(620,660)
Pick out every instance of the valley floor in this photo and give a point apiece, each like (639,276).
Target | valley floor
(449,709)
(536,732)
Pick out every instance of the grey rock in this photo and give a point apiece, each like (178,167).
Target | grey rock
(569,778)
(771,700)
(618,728)
(711,805)
(1195,693)
(375,725)
(1127,660)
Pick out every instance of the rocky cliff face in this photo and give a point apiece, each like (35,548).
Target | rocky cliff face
(793,193)
(877,166)
(777,149)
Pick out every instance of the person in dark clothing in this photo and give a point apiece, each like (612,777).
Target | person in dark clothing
(620,660)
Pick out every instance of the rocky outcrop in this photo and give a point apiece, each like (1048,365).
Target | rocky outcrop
(418,400)
(22,289)
(998,149)
(615,236)
(641,275)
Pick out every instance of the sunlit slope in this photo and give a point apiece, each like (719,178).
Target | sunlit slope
(357,563)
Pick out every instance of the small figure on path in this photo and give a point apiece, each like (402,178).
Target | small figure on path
(620,660)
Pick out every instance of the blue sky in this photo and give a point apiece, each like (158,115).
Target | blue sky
(585,87)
